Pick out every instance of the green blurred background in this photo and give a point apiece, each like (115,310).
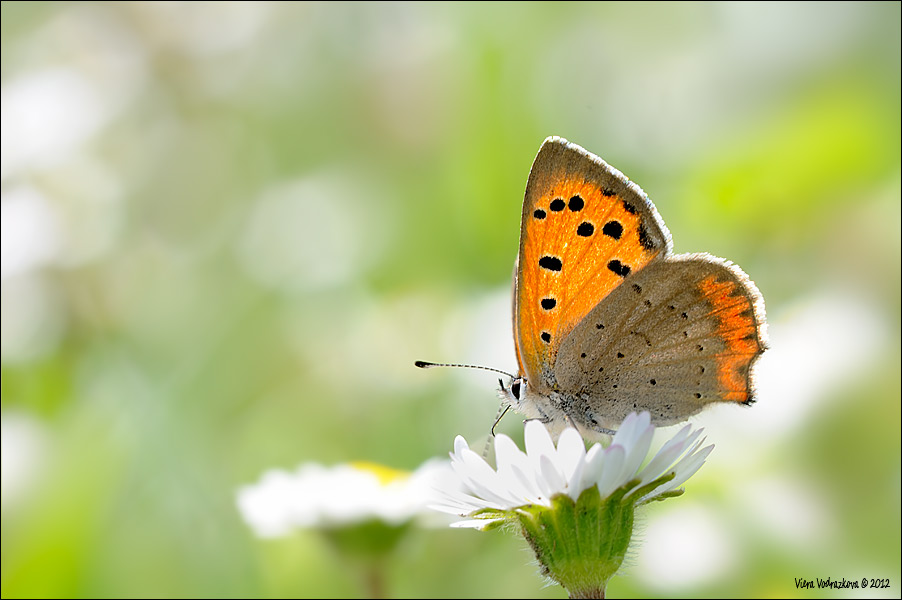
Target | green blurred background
(228,230)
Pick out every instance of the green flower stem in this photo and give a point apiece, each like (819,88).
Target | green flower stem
(367,547)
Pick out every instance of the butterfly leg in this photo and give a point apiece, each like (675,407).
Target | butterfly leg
(596,429)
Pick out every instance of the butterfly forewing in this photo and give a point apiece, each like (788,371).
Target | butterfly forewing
(585,229)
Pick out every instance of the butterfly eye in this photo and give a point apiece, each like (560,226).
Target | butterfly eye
(515,389)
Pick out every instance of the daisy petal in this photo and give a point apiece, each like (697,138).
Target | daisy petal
(689,466)
(593,467)
(538,442)
(631,429)
(551,475)
(637,450)
(460,444)
(571,451)
(507,453)
(668,453)
(613,467)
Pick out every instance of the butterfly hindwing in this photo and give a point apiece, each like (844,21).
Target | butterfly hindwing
(678,335)
(585,229)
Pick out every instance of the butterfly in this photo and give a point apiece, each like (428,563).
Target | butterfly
(607,320)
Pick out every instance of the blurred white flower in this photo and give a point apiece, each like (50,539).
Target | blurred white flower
(315,496)
(25,443)
(535,477)
(30,230)
(47,115)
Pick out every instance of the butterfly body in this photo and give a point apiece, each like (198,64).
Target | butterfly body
(607,320)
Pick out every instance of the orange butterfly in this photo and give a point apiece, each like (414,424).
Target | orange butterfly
(606,320)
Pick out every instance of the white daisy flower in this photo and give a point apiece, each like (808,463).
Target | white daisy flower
(543,471)
(575,507)
(315,496)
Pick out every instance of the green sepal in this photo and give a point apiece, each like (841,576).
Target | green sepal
(663,496)
(651,486)
(581,544)
(589,533)
(490,513)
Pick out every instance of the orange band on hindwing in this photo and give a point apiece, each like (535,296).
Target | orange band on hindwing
(738,330)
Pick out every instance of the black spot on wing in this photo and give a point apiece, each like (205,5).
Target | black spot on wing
(644,238)
(613,229)
(552,263)
(619,268)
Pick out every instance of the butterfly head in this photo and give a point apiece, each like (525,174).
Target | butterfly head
(513,391)
(528,401)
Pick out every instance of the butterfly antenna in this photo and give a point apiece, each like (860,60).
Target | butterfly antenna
(428,365)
